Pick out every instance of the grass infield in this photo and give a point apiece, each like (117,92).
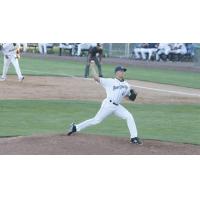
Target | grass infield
(35,66)
(176,123)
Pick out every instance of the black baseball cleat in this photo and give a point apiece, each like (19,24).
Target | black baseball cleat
(21,79)
(136,140)
(72,129)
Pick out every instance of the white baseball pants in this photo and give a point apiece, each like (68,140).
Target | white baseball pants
(137,52)
(162,51)
(108,108)
(150,52)
(11,59)
(42,48)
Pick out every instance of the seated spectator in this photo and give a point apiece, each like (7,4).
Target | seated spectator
(152,49)
(43,47)
(145,51)
(140,51)
(84,46)
(179,48)
(136,51)
(68,46)
(163,50)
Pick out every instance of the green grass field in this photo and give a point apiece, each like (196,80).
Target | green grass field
(177,123)
(44,67)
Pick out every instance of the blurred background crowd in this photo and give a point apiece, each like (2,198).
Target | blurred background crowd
(176,52)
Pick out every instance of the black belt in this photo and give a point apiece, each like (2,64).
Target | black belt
(114,103)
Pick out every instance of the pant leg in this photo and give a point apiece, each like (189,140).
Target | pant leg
(87,67)
(167,51)
(6,64)
(79,49)
(137,53)
(25,46)
(45,48)
(15,63)
(143,54)
(151,51)
(159,53)
(99,66)
(73,49)
(40,47)
(126,115)
(104,112)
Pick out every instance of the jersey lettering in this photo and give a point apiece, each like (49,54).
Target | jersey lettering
(120,87)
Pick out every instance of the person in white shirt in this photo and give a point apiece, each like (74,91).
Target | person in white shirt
(68,46)
(163,48)
(43,47)
(11,52)
(179,48)
(116,90)
(82,46)
(140,51)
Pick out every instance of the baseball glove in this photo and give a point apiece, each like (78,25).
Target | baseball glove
(132,96)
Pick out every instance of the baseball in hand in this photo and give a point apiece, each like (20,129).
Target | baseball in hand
(92,61)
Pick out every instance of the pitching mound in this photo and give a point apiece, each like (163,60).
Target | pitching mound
(34,87)
(84,144)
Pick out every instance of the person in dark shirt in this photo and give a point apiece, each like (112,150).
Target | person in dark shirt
(95,53)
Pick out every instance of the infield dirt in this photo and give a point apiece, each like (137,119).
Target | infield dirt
(35,87)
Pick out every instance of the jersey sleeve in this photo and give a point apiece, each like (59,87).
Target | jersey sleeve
(105,82)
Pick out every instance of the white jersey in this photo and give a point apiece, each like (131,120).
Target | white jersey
(163,46)
(9,49)
(116,90)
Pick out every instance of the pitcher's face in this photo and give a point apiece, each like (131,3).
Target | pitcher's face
(120,74)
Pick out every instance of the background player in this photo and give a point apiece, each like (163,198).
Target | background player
(95,53)
(11,53)
(116,89)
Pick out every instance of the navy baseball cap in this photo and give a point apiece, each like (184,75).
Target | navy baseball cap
(120,68)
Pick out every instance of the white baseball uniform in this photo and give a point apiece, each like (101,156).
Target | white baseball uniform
(9,51)
(163,48)
(84,46)
(115,91)
(43,47)
(179,48)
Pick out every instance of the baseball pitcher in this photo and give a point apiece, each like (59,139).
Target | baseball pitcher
(116,90)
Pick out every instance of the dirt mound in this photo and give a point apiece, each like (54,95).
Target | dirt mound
(35,87)
(87,144)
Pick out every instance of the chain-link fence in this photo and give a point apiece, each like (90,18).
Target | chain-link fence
(125,50)
(118,49)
